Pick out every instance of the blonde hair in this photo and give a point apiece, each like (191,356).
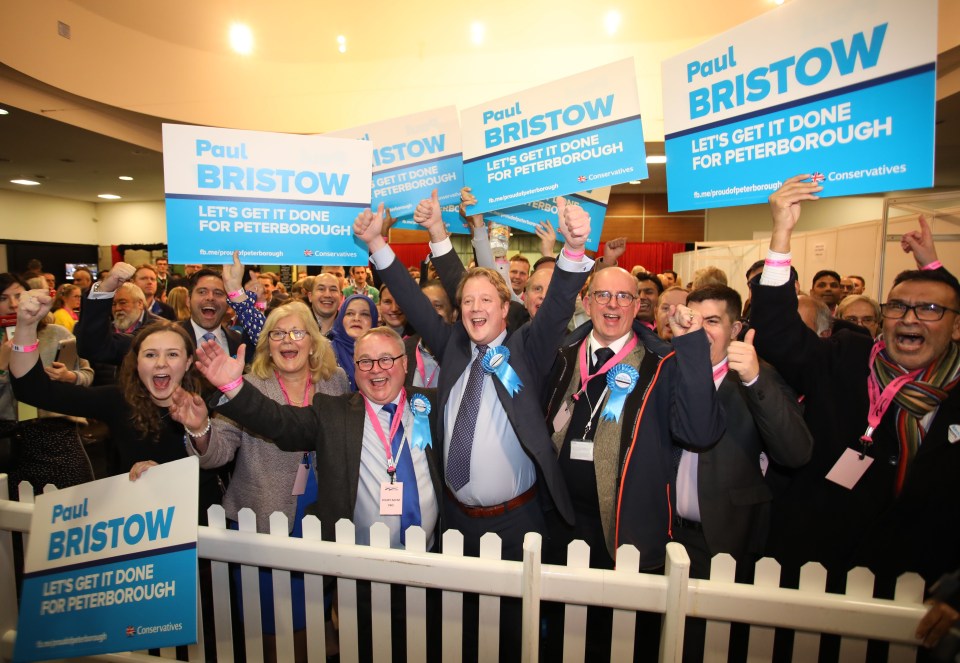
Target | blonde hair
(491,275)
(322,361)
(177,299)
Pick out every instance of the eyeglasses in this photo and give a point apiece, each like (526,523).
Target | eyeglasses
(386,363)
(923,311)
(865,320)
(280,334)
(624,299)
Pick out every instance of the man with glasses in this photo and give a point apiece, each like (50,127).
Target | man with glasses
(881,488)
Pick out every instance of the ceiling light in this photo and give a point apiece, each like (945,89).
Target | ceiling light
(25,182)
(109,196)
(125,178)
(477,32)
(635,182)
(342,44)
(4,111)
(241,38)
(611,21)
(656,158)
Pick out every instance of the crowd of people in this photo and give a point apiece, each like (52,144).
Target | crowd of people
(577,398)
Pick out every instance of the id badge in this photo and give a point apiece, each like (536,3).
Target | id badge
(849,468)
(562,418)
(300,483)
(581,450)
(391,498)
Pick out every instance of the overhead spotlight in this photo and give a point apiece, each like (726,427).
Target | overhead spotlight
(125,178)
(656,158)
(635,182)
(611,21)
(25,182)
(478,32)
(4,111)
(342,44)
(241,38)
(109,196)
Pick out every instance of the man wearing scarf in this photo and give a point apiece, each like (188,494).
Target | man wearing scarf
(881,489)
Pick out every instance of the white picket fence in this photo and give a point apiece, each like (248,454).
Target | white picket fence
(764,605)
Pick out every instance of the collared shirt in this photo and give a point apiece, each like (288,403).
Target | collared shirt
(499,467)
(221,335)
(373,472)
(688,499)
(431,370)
(616,346)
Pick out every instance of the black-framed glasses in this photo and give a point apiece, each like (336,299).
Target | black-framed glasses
(386,363)
(624,299)
(280,334)
(924,311)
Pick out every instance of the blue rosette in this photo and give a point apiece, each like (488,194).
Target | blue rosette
(621,380)
(496,361)
(420,407)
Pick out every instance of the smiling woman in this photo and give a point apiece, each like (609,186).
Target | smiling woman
(159,362)
(358,314)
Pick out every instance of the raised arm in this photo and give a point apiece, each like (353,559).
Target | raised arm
(96,339)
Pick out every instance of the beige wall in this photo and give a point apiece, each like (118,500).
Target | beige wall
(753,221)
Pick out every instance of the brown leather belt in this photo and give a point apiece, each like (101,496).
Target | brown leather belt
(495,510)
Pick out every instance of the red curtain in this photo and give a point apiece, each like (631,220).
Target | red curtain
(655,256)
(411,255)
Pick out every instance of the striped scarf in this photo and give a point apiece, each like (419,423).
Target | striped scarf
(917,398)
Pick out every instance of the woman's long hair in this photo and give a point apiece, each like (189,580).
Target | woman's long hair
(144,413)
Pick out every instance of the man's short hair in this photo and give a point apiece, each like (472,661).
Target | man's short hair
(491,275)
(863,281)
(147,265)
(727,295)
(647,276)
(199,274)
(824,272)
(133,290)
(386,332)
(519,257)
(930,276)
(545,260)
(709,276)
(847,301)
(672,273)
(754,267)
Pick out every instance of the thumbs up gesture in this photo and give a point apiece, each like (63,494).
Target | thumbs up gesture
(743,358)
(428,215)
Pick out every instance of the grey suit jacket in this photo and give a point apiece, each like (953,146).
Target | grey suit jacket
(533,348)
(333,427)
(734,498)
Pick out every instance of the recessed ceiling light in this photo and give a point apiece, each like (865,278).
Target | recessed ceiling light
(241,38)
(477,32)
(109,196)
(635,182)
(4,111)
(25,182)
(611,21)
(341,43)
(656,158)
(125,178)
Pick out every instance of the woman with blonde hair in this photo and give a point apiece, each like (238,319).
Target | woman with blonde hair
(178,300)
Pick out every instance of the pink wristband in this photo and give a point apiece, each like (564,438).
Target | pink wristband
(230,386)
(25,348)
(777,263)
(573,255)
(936,264)
(235,293)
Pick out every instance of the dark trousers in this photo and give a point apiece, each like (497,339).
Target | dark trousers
(511,528)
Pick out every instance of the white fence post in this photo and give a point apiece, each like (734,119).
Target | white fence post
(624,621)
(716,642)
(380,602)
(416,603)
(313,590)
(859,585)
(532,555)
(250,589)
(806,645)
(347,600)
(677,571)
(488,628)
(282,595)
(452,629)
(575,616)
(760,648)
(220,577)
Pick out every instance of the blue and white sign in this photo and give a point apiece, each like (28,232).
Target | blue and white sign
(112,566)
(841,89)
(566,136)
(280,199)
(526,217)
(413,155)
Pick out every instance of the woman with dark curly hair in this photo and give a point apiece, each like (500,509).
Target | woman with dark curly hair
(159,361)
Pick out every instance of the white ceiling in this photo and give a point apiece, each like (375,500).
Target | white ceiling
(94,102)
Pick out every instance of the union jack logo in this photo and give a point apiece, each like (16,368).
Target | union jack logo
(581,179)
(816,178)
(131,631)
(307,253)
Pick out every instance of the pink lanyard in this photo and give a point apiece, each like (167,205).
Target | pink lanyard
(378,429)
(306,392)
(422,369)
(613,361)
(880,401)
(720,371)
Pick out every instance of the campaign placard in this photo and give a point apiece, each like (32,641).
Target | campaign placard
(112,566)
(579,132)
(281,199)
(841,89)
(413,155)
(526,217)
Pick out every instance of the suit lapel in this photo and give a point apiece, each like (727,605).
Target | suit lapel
(356,419)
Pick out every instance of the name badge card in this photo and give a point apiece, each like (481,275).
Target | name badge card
(391,498)
(849,469)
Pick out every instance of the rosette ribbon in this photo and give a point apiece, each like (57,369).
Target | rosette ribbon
(621,380)
(496,361)
(420,407)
